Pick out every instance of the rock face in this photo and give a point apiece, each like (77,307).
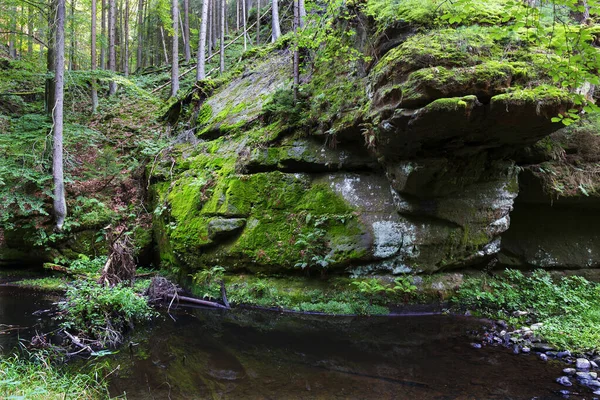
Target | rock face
(417,180)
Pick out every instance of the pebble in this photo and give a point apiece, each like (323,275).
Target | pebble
(537,326)
(476,345)
(563,380)
(582,364)
(519,313)
(562,354)
(564,392)
(594,364)
(543,347)
(569,371)
(516,349)
(543,357)
(525,350)
(586,375)
(591,384)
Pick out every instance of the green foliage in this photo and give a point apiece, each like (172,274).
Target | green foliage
(86,265)
(37,377)
(209,281)
(103,313)
(567,307)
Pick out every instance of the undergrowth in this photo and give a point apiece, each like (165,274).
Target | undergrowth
(568,308)
(103,314)
(38,378)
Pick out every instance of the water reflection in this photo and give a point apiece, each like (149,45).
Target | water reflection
(264,355)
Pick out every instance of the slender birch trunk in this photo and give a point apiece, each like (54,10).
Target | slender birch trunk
(275,21)
(60,206)
(201,65)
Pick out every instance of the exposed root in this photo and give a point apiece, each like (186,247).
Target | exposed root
(120,266)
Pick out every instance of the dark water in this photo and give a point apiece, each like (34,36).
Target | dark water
(19,315)
(246,354)
(263,355)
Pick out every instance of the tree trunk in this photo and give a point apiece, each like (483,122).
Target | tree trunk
(186,30)
(276,29)
(126,40)
(244,19)
(209,23)
(175,49)
(258,22)
(112,57)
(103,36)
(72,35)
(302,13)
(222,40)
(12,39)
(200,70)
(215,24)
(237,15)
(140,36)
(60,206)
(93,56)
(296,52)
(30,30)
(50,57)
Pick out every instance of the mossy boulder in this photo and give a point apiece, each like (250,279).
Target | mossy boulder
(464,125)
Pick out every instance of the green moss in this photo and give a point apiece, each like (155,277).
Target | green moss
(427,84)
(429,12)
(331,296)
(542,95)
(452,104)
(444,48)
(46,284)
(204,114)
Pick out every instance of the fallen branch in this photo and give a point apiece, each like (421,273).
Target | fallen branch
(78,343)
(202,302)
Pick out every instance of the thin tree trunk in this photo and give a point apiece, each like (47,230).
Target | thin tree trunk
(209,23)
(112,30)
(258,22)
(245,22)
(222,39)
(302,12)
(175,49)
(60,206)
(50,97)
(103,36)
(126,40)
(93,56)
(72,34)
(201,65)
(215,24)
(237,15)
(12,40)
(275,13)
(296,52)
(140,36)
(164,43)
(30,30)
(186,30)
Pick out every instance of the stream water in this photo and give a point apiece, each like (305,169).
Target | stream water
(250,354)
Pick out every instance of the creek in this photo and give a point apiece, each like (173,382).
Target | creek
(198,353)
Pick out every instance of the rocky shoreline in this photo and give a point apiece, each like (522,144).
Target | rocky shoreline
(581,368)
